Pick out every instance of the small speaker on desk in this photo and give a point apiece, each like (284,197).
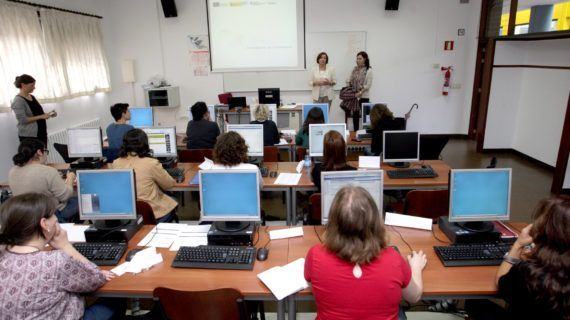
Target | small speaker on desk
(392,4)
(169,8)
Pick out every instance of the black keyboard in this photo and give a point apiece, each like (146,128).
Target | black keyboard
(176,173)
(264,171)
(102,253)
(427,172)
(215,257)
(475,254)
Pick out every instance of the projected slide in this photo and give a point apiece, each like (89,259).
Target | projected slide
(256,35)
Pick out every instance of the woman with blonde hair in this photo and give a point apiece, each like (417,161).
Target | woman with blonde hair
(270,132)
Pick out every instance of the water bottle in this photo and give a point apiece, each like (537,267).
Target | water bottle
(307,161)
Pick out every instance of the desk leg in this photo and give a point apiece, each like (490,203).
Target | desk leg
(290,213)
(292,312)
(293,153)
(294,205)
(281,309)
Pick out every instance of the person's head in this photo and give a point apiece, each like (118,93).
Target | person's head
(30,150)
(120,111)
(199,111)
(549,261)
(25,83)
(379,111)
(334,151)
(230,149)
(26,217)
(135,143)
(355,232)
(262,113)
(362,60)
(315,115)
(323,59)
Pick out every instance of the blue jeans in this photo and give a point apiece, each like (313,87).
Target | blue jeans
(169,217)
(105,309)
(70,213)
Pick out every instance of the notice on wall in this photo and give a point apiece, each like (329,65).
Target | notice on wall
(199,55)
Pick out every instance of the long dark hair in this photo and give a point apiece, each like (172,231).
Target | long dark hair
(27,151)
(334,151)
(548,263)
(135,141)
(20,217)
(315,115)
(366,60)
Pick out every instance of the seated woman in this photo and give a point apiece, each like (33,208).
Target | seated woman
(315,115)
(201,132)
(30,174)
(151,178)
(354,274)
(45,284)
(532,280)
(270,132)
(381,118)
(334,157)
(230,152)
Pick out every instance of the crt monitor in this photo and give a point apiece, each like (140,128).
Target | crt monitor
(479,194)
(238,102)
(365,112)
(272,112)
(84,143)
(269,96)
(323,106)
(253,136)
(162,141)
(317,133)
(401,147)
(333,181)
(106,194)
(141,117)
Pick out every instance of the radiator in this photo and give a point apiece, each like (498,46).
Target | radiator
(61,137)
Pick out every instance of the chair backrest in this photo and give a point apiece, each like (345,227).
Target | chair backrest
(63,152)
(194,155)
(270,154)
(314,209)
(226,304)
(427,203)
(399,124)
(225,98)
(431,145)
(145,210)
(300,152)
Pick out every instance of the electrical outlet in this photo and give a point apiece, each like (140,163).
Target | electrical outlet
(456,86)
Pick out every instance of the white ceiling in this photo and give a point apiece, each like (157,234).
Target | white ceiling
(526,4)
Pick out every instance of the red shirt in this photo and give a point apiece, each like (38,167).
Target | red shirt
(340,295)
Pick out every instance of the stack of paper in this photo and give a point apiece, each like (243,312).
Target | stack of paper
(174,235)
(191,236)
(288,178)
(142,260)
(286,280)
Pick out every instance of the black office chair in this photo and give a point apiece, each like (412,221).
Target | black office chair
(431,146)
(493,163)
(63,152)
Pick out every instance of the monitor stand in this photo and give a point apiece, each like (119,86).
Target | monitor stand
(87,163)
(113,230)
(399,165)
(231,226)
(476,226)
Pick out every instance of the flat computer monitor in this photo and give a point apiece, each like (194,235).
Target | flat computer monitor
(317,133)
(84,143)
(106,194)
(323,106)
(401,147)
(229,195)
(141,117)
(272,112)
(253,136)
(269,96)
(238,102)
(479,194)
(333,181)
(162,141)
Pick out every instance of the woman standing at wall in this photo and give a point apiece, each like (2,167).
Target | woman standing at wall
(322,80)
(360,81)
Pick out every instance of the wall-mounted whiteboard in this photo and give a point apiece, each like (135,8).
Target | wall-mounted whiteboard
(341,48)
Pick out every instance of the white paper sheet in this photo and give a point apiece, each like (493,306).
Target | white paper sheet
(75,232)
(288,179)
(369,162)
(207,164)
(285,280)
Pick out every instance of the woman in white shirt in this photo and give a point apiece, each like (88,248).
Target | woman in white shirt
(360,80)
(322,80)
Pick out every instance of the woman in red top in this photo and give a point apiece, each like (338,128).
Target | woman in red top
(354,274)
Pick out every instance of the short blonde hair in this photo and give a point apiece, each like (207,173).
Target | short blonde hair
(261,112)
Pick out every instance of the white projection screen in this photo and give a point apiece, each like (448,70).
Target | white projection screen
(256,35)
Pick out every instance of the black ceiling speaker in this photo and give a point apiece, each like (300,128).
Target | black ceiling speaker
(392,4)
(169,8)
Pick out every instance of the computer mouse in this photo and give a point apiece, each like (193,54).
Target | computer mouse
(131,254)
(424,166)
(273,174)
(262,254)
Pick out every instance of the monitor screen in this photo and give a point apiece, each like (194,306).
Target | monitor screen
(229,195)
(365,112)
(317,133)
(479,194)
(106,194)
(84,142)
(162,141)
(332,181)
(253,136)
(272,112)
(401,146)
(323,106)
(141,117)
(238,102)
(269,96)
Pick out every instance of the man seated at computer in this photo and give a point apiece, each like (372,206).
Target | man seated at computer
(314,116)
(201,132)
(270,132)
(151,178)
(117,130)
(334,157)
(30,174)
(381,118)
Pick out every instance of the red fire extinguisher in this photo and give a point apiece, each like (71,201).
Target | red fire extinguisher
(446,79)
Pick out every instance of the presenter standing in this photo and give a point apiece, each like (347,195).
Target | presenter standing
(29,113)
(360,81)
(322,80)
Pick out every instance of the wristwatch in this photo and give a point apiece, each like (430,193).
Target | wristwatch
(511,260)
